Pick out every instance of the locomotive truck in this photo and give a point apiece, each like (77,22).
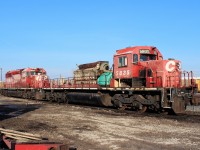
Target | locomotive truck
(140,79)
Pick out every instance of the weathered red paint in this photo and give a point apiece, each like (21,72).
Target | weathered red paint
(13,145)
(40,146)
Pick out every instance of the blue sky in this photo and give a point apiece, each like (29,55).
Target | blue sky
(58,34)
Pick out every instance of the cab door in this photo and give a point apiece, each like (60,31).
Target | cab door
(122,66)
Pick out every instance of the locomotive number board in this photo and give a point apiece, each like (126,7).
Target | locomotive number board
(144,51)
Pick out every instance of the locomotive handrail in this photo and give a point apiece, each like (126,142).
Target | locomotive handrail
(190,79)
(74,82)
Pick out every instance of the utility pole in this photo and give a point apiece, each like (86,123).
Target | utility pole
(1,75)
(1,82)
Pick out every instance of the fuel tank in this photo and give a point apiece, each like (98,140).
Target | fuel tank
(94,99)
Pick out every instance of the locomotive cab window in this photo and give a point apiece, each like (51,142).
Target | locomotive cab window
(144,57)
(33,73)
(135,58)
(122,61)
(152,57)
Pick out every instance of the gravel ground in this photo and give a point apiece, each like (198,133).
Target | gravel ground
(101,129)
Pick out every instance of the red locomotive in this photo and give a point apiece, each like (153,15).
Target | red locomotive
(27,78)
(144,67)
(140,79)
(23,82)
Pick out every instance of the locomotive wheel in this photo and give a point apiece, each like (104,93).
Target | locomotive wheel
(28,95)
(122,108)
(51,98)
(65,100)
(144,108)
(24,96)
(139,107)
(62,98)
(117,98)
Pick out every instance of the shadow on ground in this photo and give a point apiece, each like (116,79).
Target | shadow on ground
(15,110)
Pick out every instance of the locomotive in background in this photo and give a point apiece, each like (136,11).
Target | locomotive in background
(21,82)
(27,78)
(140,80)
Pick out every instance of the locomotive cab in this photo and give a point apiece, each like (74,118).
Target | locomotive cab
(131,67)
(34,77)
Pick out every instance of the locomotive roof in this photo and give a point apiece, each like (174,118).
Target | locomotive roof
(15,71)
(29,69)
(136,49)
(18,71)
(91,65)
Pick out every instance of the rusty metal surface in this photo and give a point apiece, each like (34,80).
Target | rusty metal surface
(91,65)
(196,99)
(178,105)
(16,140)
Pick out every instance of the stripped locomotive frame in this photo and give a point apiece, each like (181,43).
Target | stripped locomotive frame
(140,80)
